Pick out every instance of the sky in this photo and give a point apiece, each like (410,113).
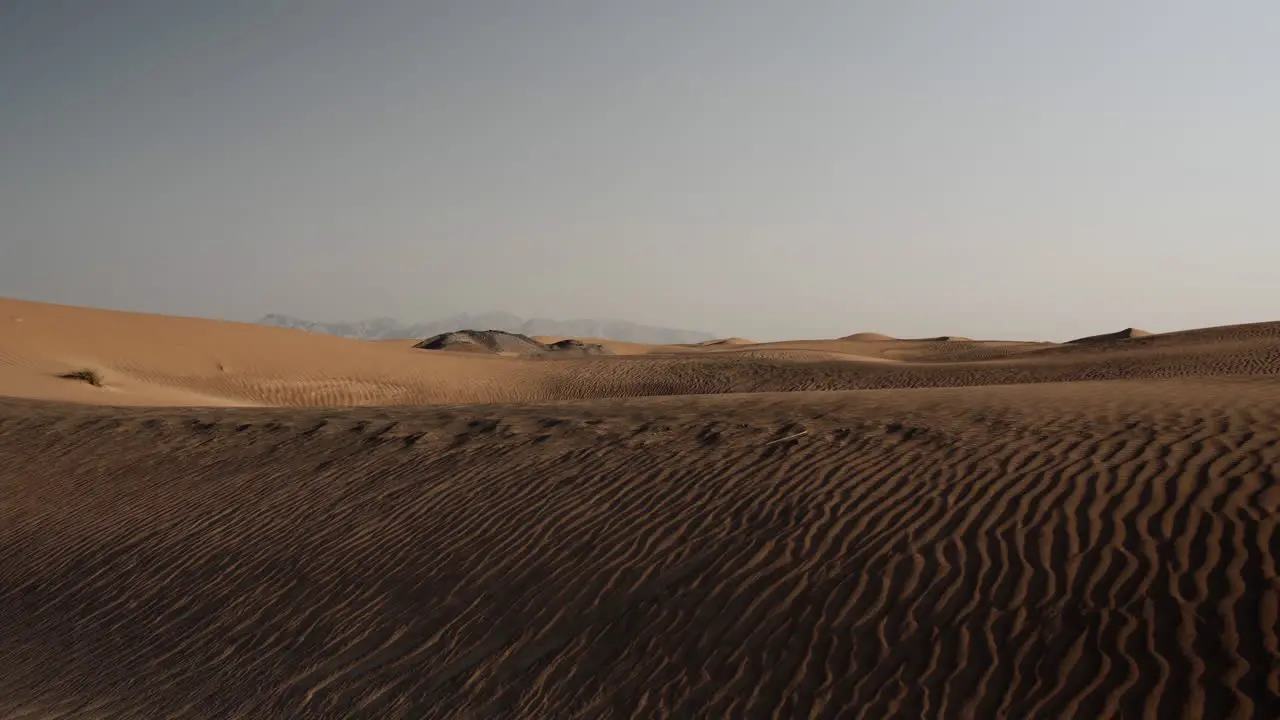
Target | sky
(762,168)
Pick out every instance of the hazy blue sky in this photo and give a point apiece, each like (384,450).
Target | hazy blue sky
(767,168)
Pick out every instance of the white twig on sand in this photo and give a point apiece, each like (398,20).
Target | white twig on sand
(802,433)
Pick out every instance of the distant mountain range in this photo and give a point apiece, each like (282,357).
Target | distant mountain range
(388,329)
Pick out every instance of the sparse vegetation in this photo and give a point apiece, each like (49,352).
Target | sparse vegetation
(86,375)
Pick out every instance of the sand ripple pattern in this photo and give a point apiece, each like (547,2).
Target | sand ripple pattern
(1094,550)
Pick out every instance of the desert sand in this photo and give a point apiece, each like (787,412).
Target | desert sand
(255,522)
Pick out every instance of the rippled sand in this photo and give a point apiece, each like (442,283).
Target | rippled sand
(1035,531)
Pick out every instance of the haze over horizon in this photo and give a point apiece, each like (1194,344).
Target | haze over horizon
(814,169)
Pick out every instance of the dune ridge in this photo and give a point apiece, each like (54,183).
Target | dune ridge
(507,343)
(1125,334)
(160,360)
(869,337)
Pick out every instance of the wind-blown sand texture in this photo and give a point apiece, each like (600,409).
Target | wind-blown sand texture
(1034,531)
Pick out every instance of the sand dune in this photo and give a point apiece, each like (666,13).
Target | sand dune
(726,341)
(161,360)
(868,337)
(1126,334)
(1064,550)
(617,347)
(817,529)
(509,344)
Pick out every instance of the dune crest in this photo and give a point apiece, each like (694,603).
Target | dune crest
(510,344)
(1125,334)
(868,337)
(162,360)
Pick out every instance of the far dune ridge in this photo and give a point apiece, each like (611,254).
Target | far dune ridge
(388,329)
(510,344)
(1126,334)
(868,337)
(726,341)
(161,360)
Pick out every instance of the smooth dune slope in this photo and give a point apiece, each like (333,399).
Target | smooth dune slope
(1065,550)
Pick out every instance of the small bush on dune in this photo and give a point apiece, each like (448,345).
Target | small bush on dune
(93,377)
